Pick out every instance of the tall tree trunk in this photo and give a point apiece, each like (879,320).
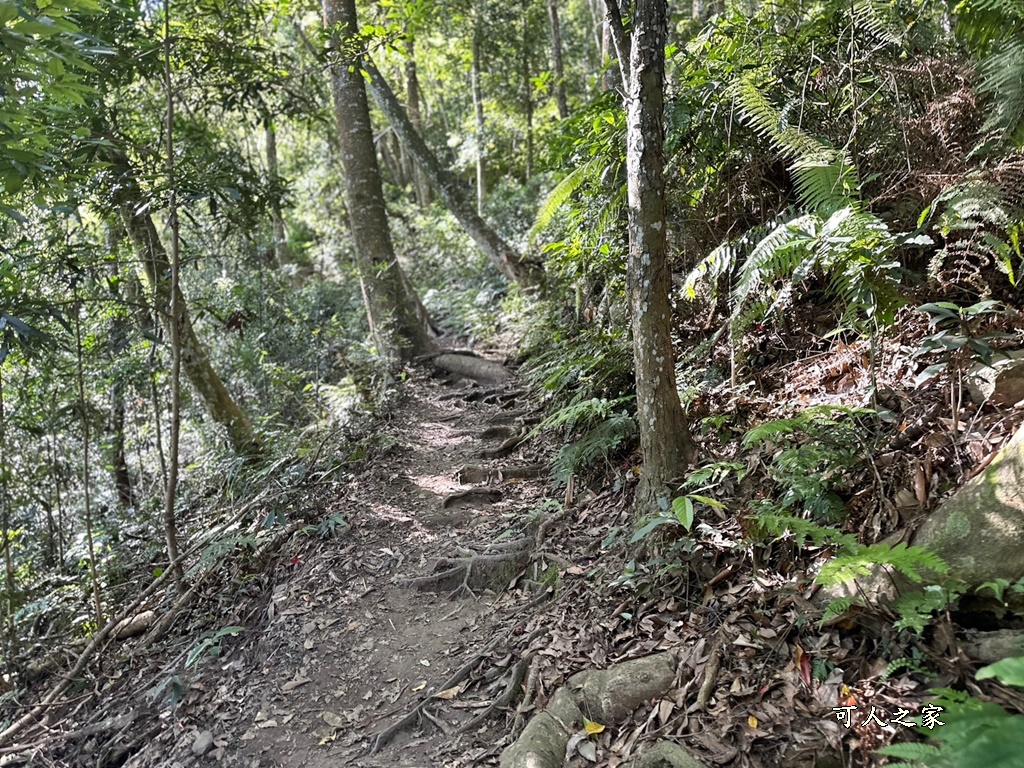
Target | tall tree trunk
(412,100)
(556,60)
(177,312)
(527,97)
(157,267)
(281,253)
(503,256)
(664,432)
(478,104)
(118,333)
(394,310)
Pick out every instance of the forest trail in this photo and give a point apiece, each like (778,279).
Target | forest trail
(346,647)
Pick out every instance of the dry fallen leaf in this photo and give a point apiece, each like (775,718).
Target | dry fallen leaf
(752,721)
(419,687)
(291,685)
(333,719)
(591,727)
(449,693)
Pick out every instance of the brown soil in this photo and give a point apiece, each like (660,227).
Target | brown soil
(343,646)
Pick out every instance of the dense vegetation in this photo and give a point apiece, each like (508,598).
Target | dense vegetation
(748,247)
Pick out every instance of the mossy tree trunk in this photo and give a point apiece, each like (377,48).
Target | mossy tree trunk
(395,314)
(195,361)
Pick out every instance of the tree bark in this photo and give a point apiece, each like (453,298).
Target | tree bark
(501,254)
(527,98)
(412,100)
(281,253)
(157,267)
(394,311)
(556,60)
(621,45)
(664,432)
(478,105)
(118,334)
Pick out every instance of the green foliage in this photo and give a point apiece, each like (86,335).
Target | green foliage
(811,455)
(974,733)
(916,609)
(979,220)
(772,523)
(859,560)
(609,435)
(209,647)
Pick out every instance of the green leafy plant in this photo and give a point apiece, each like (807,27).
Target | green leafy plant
(811,455)
(974,733)
(209,647)
(957,338)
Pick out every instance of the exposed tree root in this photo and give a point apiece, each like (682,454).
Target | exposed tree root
(512,689)
(503,450)
(489,495)
(473,474)
(467,575)
(382,738)
(472,367)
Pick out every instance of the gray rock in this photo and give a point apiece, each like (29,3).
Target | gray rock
(666,754)
(1002,383)
(203,743)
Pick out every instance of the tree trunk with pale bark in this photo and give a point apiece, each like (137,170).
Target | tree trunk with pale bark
(665,439)
(557,67)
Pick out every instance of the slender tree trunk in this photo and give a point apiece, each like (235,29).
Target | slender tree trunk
(281,253)
(413,99)
(118,334)
(527,97)
(10,583)
(478,105)
(556,60)
(503,256)
(86,467)
(177,314)
(157,267)
(664,432)
(393,310)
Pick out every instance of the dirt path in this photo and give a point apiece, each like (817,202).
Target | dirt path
(346,647)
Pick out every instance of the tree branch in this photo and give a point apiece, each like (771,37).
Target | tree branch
(614,20)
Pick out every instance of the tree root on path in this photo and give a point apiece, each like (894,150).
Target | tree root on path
(488,495)
(603,696)
(473,474)
(382,738)
(503,450)
(466,575)
(513,687)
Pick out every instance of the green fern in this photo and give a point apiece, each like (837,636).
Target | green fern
(836,608)
(595,444)
(861,560)
(561,194)
(825,177)
(894,666)
(802,531)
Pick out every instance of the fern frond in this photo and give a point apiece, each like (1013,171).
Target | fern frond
(558,196)
(910,751)
(880,20)
(825,177)
(1002,76)
(862,560)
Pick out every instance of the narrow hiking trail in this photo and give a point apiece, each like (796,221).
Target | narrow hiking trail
(346,647)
